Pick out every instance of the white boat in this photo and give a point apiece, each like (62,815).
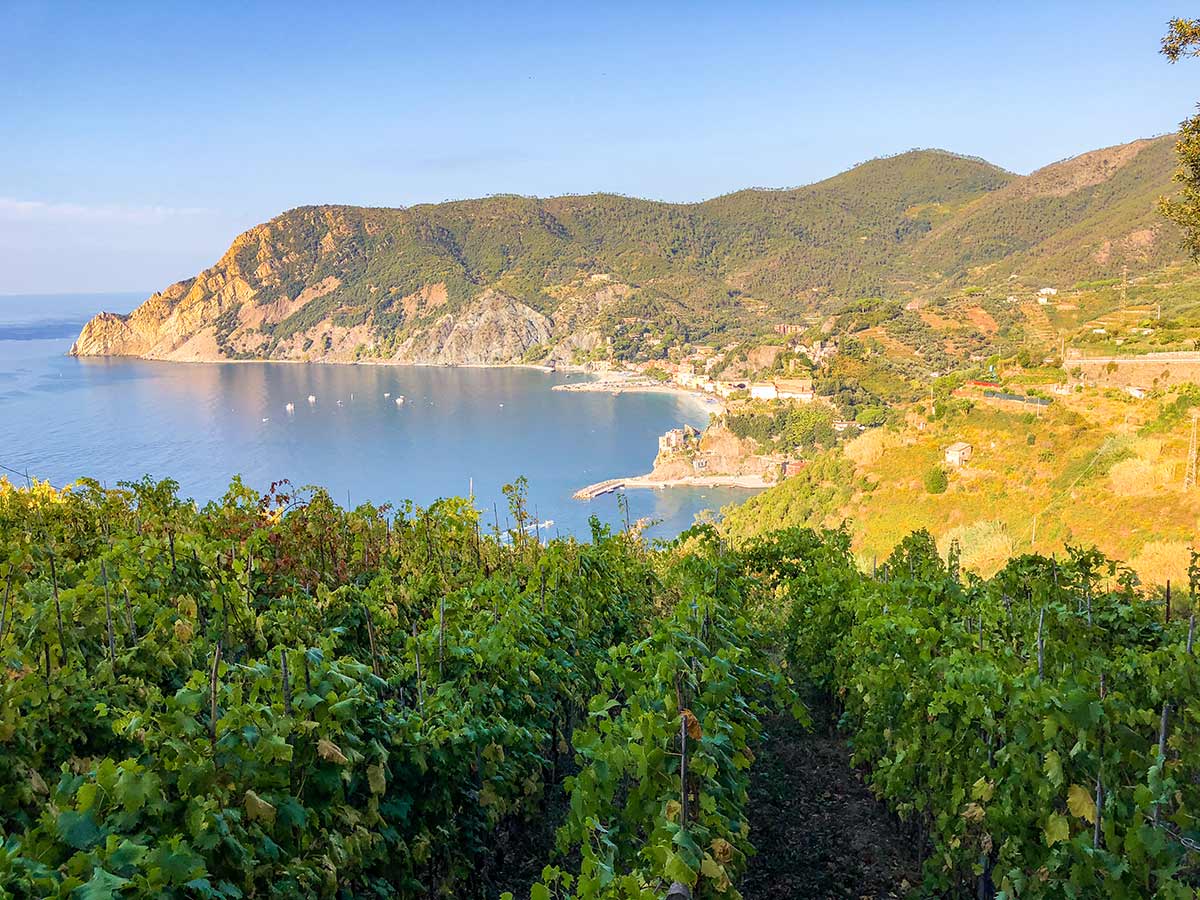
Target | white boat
(386,394)
(399,401)
(339,403)
(291,407)
(266,420)
(312,399)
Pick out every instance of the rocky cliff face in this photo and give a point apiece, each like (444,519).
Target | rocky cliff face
(494,330)
(301,288)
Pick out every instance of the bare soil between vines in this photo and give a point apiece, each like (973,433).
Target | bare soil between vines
(819,831)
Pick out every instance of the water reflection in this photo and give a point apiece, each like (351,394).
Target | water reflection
(203,423)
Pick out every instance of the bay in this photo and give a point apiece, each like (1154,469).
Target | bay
(458,429)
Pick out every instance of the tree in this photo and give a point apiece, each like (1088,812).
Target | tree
(1183,40)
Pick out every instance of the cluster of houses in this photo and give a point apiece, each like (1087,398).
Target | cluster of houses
(678,440)
(685,442)
(695,372)
(1043,296)
(685,375)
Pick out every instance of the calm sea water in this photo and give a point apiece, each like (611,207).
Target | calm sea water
(63,418)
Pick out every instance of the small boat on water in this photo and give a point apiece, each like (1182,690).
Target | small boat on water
(386,394)
(400,400)
(291,407)
(267,419)
(312,399)
(339,403)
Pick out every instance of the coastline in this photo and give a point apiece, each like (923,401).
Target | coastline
(648,481)
(620,383)
(604,380)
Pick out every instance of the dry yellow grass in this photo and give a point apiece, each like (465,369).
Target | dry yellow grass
(868,447)
(1131,477)
(984,546)
(1160,561)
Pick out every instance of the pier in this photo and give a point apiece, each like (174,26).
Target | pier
(592,491)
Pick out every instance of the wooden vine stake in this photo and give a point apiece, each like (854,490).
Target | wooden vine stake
(371,641)
(62,638)
(1096,834)
(420,681)
(112,642)
(7,592)
(683,756)
(1162,750)
(441,633)
(285,678)
(133,632)
(212,699)
(1041,643)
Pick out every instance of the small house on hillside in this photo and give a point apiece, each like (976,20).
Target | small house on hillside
(764,390)
(958,453)
(795,389)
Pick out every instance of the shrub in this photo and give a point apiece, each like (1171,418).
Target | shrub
(936,481)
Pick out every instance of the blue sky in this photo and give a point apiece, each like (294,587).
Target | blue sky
(136,140)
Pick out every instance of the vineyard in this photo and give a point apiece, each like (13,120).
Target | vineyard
(273,696)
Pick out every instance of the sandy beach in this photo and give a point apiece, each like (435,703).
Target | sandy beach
(618,383)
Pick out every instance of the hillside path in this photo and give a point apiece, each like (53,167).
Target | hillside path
(819,831)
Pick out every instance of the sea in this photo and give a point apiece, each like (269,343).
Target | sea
(459,431)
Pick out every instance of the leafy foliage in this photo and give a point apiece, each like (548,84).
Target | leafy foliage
(1018,722)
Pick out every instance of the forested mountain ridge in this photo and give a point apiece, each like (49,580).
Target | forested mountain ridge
(567,279)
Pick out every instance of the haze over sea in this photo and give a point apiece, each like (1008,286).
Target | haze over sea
(119,419)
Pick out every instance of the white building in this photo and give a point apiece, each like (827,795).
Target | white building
(764,390)
(958,453)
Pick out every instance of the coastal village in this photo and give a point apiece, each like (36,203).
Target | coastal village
(716,455)
(772,380)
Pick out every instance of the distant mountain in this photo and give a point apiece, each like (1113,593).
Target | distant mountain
(568,279)
(1085,217)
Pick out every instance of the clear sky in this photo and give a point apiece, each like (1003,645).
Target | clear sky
(136,140)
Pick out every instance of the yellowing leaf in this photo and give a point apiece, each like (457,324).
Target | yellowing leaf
(693,725)
(722,850)
(258,809)
(673,810)
(1080,803)
(1053,767)
(1057,829)
(983,790)
(376,779)
(488,796)
(330,752)
(973,812)
(184,629)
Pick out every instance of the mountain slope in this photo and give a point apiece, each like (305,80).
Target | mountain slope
(1079,218)
(566,279)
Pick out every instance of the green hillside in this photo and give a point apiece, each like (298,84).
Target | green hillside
(340,283)
(1082,218)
